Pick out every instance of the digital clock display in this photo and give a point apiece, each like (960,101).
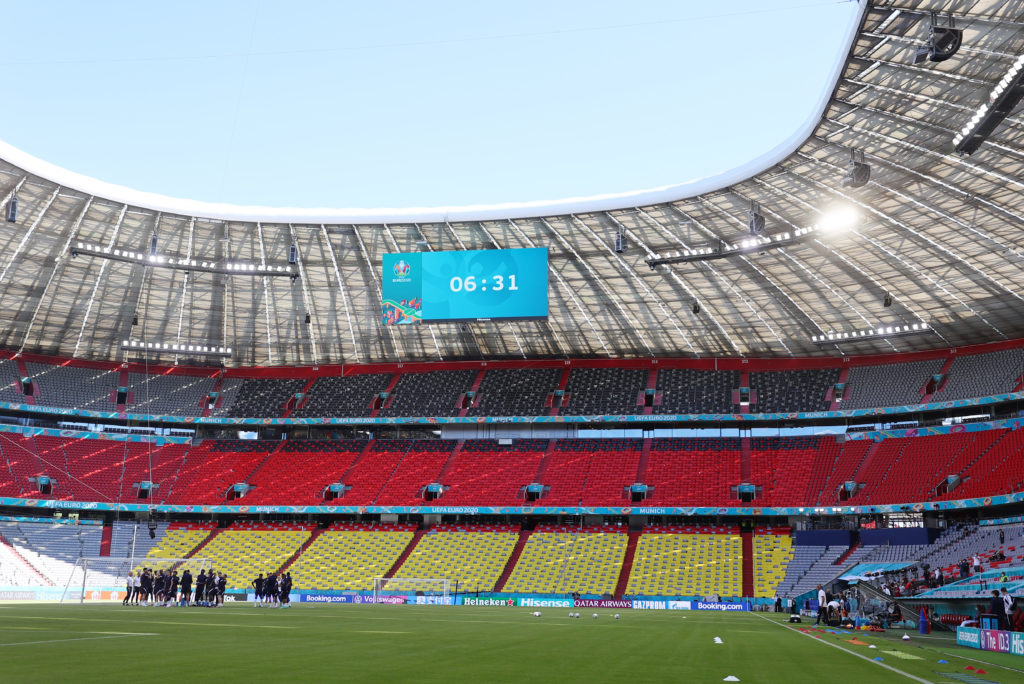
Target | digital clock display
(466,285)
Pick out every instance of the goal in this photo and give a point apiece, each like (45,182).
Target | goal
(418,590)
(101,578)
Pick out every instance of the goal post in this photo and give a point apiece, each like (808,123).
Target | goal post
(102,578)
(385,587)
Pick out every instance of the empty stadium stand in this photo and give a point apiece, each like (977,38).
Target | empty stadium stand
(470,557)
(602,391)
(349,555)
(343,395)
(73,387)
(432,393)
(685,390)
(773,550)
(258,398)
(561,560)
(168,395)
(792,390)
(246,549)
(684,560)
(979,375)
(894,384)
(518,392)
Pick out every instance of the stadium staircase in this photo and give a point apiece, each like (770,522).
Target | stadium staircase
(744,382)
(218,385)
(409,548)
(270,455)
(846,554)
(24,561)
(360,457)
(835,404)
(562,382)
(510,565)
(293,404)
(302,549)
(652,386)
(645,456)
(199,547)
(627,562)
(745,468)
(23,372)
(539,477)
(123,380)
(747,541)
(387,390)
(474,389)
(106,536)
(451,459)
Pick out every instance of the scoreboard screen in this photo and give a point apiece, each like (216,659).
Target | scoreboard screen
(424,287)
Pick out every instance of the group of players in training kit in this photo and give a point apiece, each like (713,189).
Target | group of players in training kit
(165,588)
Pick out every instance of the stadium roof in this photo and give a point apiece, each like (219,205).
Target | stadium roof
(939,233)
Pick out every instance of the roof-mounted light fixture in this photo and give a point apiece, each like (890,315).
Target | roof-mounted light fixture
(882,331)
(176,349)
(1003,98)
(153,259)
(943,43)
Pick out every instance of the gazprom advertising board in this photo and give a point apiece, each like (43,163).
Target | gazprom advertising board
(423,287)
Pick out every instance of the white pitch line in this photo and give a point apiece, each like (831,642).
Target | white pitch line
(153,622)
(57,641)
(845,650)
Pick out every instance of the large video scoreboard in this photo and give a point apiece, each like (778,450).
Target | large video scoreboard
(425,287)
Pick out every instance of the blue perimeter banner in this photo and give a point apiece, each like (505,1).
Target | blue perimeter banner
(991,640)
(495,284)
(515,600)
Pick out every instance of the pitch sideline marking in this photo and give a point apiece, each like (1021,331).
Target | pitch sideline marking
(152,622)
(853,653)
(92,638)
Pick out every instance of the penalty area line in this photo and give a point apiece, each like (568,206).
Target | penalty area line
(846,650)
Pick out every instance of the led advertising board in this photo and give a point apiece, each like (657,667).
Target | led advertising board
(424,287)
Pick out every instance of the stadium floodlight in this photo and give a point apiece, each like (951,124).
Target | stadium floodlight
(887,300)
(696,307)
(620,242)
(755,219)
(152,259)
(882,331)
(745,246)
(1003,98)
(838,218)
(943,43)
(293,254)
(177,349)
(12,210)
(858,173)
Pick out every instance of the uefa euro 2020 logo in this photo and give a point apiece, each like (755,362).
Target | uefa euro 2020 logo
(402,268)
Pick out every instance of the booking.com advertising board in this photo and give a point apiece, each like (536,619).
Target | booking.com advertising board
(515,601)
(424,287)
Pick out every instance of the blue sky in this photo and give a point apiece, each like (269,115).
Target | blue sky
(395,104)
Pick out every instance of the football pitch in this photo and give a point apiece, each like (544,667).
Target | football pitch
(384,643)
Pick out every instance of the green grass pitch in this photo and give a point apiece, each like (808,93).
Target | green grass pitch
(358,643)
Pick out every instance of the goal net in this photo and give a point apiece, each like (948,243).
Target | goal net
(410,589)
(101,578)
